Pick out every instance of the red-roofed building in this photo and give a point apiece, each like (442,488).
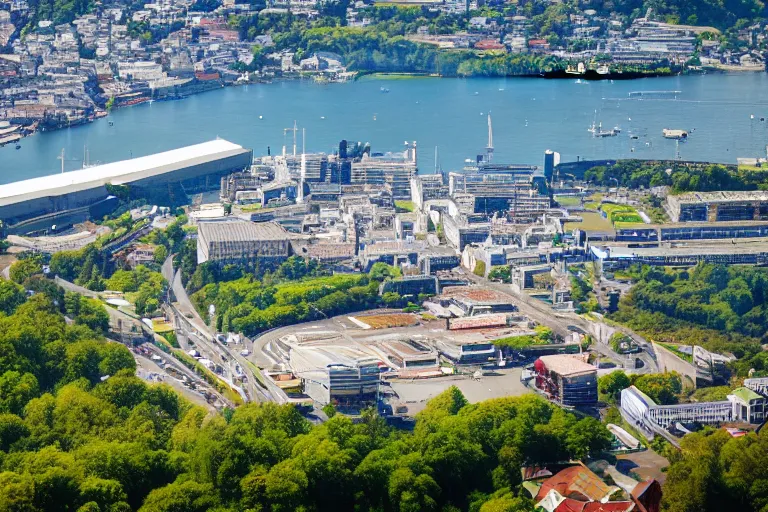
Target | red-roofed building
(577,482)
(489,44)
(538,44)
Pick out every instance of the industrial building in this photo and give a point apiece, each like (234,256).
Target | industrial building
(474,300)
(240,241)
(718,206)
(618,257)
(331,370)
(473,353)
(692,231)
(162,178)
(566,379)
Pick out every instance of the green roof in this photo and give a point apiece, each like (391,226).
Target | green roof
(746,394)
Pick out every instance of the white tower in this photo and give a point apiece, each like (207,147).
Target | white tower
(489,147)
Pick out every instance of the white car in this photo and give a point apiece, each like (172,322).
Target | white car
(245,352)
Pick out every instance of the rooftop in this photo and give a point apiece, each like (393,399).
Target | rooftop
(720,196)
(477,295)
(576,481)
(241,231)
(117,173)
(566,365)
(746,394)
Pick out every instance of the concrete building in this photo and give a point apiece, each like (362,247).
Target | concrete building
(239,241)
(333,372)
(692,231)
(643,410)
(757,384)
(408,354)
(718,206)
(619,257)
(161,178)
(475,300)
(566,379)
(748,406)
(395,170)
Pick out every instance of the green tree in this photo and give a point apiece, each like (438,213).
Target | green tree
(21,270)
(11,296)
(610,385)
(187,496)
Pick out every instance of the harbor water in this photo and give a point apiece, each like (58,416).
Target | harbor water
(725,115)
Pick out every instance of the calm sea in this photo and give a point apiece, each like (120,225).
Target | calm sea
(529,116)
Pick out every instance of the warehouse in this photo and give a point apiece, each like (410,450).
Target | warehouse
(718,206)
(242,241)
(161,178)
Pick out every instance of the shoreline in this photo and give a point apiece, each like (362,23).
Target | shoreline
(560,74)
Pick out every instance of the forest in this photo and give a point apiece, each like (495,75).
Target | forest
(683,178)
(78,431)
(721,308)
(298,291)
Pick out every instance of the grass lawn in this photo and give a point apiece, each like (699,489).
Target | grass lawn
(568,200)
(403,205)
(590,222)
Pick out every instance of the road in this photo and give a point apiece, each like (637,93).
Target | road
(559,322)
(189,323)
(118,317)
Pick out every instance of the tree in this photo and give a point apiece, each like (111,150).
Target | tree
(188,496)
(610,385)
(662,388)
(12,429)
(23,269)
(16,390)
(11,296)
(17,492)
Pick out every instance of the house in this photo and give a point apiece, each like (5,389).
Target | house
(142,254)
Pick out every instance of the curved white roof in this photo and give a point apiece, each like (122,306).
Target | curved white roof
(117,173)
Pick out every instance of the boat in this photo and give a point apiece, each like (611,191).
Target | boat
(597,131)
(18,146)
(674,134)
(384,89)
(603,70)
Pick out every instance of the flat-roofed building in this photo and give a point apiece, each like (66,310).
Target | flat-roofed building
(476,300)
(566,379)
(409,354)
(240,241)
(718,206)
(154,177)
(333,371)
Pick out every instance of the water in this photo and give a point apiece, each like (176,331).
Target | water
(529,116)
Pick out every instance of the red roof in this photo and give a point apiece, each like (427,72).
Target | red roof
(538,42)
(576,482)
(647,496)
(489,44)
(570,505)
(207,76)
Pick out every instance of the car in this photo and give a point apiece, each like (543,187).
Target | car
(245,352)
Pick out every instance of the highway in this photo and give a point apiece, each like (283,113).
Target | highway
(191,326)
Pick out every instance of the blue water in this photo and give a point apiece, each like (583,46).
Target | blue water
(529,116)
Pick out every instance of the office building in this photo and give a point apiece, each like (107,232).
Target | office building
(566,379)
